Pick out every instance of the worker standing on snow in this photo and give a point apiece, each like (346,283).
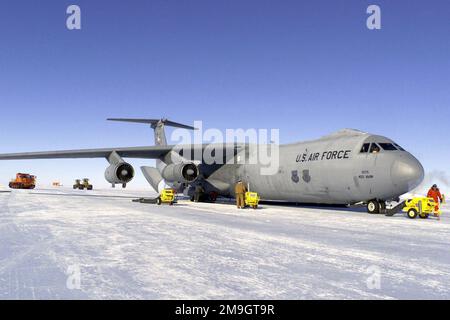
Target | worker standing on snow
(199,190)
(240,191)
(436,195)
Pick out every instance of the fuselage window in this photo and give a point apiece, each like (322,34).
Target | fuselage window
(365,148)
(374,148)
(388,146)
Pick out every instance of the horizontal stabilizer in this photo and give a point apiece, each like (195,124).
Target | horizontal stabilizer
(154,122)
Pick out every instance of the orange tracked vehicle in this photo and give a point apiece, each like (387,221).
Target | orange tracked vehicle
(23,181)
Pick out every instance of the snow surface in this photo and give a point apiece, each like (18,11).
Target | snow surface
(127,250)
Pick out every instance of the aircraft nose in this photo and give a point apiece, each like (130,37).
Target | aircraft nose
(407,173)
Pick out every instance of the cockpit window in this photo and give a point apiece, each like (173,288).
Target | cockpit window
(388,146)
(400,148)
(365,148)
(374,148)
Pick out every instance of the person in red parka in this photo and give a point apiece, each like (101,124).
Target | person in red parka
(436,195)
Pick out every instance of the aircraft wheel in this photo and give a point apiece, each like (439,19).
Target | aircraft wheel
(412,213)
(373,207)
(158,201)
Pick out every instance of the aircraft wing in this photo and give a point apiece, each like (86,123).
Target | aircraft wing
(153,152)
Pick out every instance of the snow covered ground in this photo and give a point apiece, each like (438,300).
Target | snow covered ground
(116,249)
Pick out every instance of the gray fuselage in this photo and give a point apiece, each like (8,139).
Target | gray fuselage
(332,170)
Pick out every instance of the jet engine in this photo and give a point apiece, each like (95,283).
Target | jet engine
(121,173)
(182,172)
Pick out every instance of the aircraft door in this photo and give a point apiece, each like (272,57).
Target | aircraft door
(364,172)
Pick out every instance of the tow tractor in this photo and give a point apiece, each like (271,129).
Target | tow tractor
(422,207)
(417,206)
(166,196)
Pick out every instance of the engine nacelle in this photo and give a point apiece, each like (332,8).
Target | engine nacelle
(120,173)
(182,172)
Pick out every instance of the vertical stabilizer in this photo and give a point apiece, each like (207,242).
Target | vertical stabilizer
(158,127)
(160,133)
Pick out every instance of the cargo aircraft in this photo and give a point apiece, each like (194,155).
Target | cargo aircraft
(344,168)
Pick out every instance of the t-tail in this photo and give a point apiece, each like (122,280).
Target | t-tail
(157,126)
(153,175)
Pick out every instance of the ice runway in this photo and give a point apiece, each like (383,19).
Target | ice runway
(126,250)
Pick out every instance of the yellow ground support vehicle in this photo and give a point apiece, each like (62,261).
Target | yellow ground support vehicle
(420,206)
(83,184)
(252,199)
(166,196)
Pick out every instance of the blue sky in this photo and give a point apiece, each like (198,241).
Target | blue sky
(306,67)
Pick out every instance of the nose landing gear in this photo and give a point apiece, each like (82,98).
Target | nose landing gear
(376,206)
